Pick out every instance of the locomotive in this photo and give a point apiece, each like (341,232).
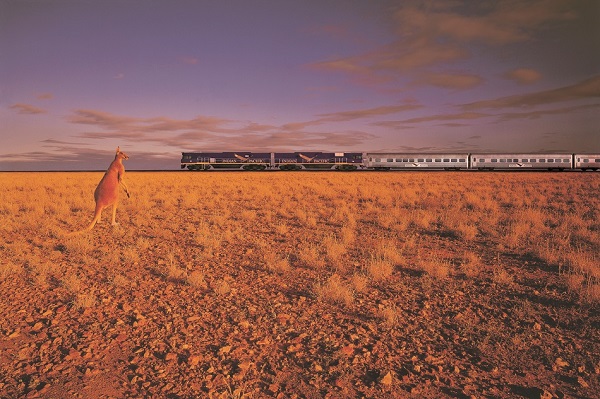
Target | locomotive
(311,160)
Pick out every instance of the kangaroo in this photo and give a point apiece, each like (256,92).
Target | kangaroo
(107,192)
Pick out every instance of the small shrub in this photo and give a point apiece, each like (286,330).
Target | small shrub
(334,291)
(390,315)
(380,269)
(196,279)
(360,282)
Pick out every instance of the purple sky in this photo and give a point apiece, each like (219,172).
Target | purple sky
(158,77)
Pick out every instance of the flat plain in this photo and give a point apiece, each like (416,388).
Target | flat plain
(302,285)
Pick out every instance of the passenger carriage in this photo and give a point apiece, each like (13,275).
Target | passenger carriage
(408,161)
(521,161)
(587,161)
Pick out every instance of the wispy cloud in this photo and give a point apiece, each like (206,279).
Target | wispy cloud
(219,133)
(463,118)
(190,60)
(458,81)
(45,96)
(587,89)
(429,34)
(27,109)
(539,114)
(523,76)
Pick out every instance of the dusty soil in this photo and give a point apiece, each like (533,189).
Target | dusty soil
(153,308)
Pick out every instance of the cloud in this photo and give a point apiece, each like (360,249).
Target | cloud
(538,114)
(218,133)
(429,34)
(523,76)
(587,89)
(367,113)
(462,116)
(27,109)
(451,80)
(45,96)
(190,60)
(454,119)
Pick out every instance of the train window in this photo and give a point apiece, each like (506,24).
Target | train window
(377,159)
(481,160)
(524,160)
(429,160)
(446,160)
(453,160)
(411,160)
(494,160)
(566,160)
(462,160)
(542,160)
(390,159)
(533,160)
(502,160)
(586,160)
(404,159)
(438,160)
(597,160)
(551,160)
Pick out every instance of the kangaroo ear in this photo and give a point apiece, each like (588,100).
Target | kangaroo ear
(118,149)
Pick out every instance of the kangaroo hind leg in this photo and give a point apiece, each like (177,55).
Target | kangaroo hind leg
(114,214)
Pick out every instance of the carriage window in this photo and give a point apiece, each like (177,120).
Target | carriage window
(551,160)
(533,160)
(542,160)
(404,159)
(566,160)
(481,160)
(438,160)
(453,160)
(429,160)
(597,160)
(411,160)
(586,160)
(462,160)
(494,160)
(446,160)
(390,159)
(421,160)
(502,160)
(377,160)
(524,160)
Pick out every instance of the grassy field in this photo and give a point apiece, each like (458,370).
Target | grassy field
(231,285)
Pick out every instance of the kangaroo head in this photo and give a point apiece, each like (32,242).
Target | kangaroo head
(121,154)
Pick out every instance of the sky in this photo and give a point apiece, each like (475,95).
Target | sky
(159,77)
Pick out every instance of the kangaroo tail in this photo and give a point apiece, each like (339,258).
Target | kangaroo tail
(97,213)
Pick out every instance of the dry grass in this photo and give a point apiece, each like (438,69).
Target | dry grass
(548,220)
(335,291)
(273,254)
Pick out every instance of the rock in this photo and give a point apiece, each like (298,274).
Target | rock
(387,379)
(194,360)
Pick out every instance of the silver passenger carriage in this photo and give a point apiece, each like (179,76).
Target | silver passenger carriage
(521,161)
(587,161)
(408,161)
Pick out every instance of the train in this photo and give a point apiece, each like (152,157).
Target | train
(349,161)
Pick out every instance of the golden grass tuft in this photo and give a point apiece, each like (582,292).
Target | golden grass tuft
(334,291)
(380,269)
